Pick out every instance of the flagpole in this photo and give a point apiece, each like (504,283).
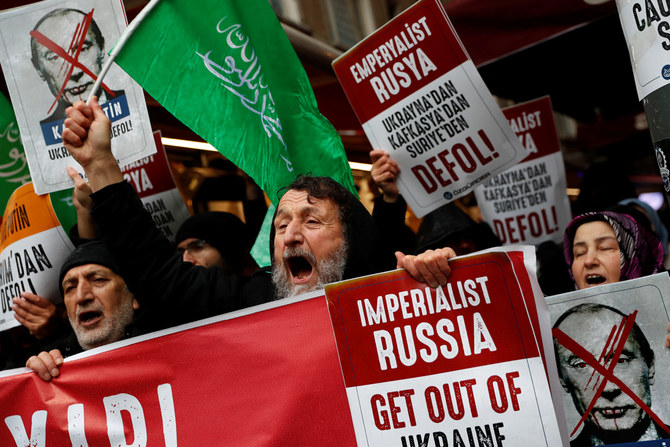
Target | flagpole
(119,45)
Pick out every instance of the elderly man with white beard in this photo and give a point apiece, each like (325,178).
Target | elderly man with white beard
(99,306)
(321,233)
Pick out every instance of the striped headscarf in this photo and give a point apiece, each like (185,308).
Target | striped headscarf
(641,252)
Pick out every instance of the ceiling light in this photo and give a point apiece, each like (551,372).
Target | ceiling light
(201,145)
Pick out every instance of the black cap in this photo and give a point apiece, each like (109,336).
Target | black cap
(223,231)
(92,252)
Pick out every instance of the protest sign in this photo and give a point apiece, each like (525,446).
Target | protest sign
(528,204)
(233,59)
(419,97)
(152,179)
(610,347)
(14,170)
(264,376)
(13,166)
(33,246)
(646,27)
(438,367)
(51,53)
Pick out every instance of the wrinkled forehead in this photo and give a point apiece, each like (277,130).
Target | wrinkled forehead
(84,270)
(298,201)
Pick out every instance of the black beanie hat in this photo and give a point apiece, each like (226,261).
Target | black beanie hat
(223,231)
(91,252)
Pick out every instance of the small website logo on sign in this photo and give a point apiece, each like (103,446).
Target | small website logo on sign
(665,72)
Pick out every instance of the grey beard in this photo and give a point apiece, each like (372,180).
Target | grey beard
(330,269)
(112,329)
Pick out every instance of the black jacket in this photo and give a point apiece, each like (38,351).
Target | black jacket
(170,291)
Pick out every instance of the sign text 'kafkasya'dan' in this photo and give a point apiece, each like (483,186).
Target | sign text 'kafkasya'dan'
(528,203)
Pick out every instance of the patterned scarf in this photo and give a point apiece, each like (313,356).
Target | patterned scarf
(641,252)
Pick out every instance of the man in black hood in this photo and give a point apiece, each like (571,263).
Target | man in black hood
(321,234)
(217,239)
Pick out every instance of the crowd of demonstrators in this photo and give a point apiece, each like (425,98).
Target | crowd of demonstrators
(98,307)
(321,233)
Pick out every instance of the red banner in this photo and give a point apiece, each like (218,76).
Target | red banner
(271,377)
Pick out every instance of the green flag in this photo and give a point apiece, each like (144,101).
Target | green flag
(14,170)
(227,70)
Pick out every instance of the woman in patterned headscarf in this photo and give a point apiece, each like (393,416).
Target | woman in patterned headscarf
(604,247)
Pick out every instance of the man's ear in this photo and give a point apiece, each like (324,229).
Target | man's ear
(136,304)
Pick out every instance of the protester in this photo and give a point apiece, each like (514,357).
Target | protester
(604,247)
(99,306)
(217,239)
(317,223)
(389,207)
(615,416)
(447,226)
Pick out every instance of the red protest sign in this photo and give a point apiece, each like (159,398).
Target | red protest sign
(528,203)
(151,174)
(420,98)
(266,377)
(400,54)
(431,365)
(152,179)
(533,123)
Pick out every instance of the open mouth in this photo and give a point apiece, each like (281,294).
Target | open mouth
(594,280)
(76,91)
(300,268)
(89,317)
(613,413)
